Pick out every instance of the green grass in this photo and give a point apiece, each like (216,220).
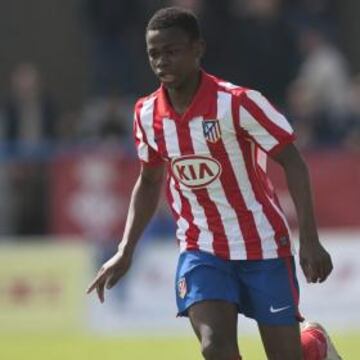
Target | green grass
(81,347)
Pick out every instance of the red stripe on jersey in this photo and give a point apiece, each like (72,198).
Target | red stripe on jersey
(213,217)
(233,195)
(171,199)
(159,132)
(272,215)
(212,214)
(264,121)
(294,290)
(192,233)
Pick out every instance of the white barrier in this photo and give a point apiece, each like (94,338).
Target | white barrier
(145,301)
(336,302)
(43,287)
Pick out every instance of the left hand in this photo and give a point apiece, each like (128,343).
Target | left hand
(110,273)
(315,261)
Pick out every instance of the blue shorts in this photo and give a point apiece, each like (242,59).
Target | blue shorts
(264,290)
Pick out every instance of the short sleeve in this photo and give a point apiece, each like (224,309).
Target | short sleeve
(146,154)
(263,123)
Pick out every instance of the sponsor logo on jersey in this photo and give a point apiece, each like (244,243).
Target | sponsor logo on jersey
(196,171)
(212,130)
(182,289)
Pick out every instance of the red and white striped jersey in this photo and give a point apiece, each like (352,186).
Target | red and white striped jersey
(217,187)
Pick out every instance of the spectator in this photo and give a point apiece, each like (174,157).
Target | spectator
(29,114)
(352,139)
(110,25)
(68,125)
(106,120)
(29,123)
(299,11)
(258,48)
(321,87)
(194,5)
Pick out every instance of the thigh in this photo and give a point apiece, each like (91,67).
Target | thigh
(281,342)
(215,325)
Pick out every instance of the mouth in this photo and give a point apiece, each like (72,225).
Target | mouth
(166,77)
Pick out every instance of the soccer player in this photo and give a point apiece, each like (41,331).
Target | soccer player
(212,138)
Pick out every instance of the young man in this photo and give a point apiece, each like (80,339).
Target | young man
(236,255)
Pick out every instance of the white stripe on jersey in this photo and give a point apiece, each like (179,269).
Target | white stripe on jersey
(264,228)
(147,120)
(229,85)
(142,147)
(273,115)
(205,239)
(261,158)
(254,128)
(170,137)
(181,223)
(217,195)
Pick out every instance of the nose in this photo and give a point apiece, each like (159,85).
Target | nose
(163,61)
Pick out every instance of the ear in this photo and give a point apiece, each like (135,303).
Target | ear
(199,48)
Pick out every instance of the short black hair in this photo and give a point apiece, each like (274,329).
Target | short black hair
(176,17)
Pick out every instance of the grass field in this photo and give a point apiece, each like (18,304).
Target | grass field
(80,347)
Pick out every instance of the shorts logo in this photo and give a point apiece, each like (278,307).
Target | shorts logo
(195,171)
(212,130)
(182,289)
(276,310)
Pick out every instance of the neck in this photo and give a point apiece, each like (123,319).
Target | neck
(181,97)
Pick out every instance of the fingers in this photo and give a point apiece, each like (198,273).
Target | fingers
(100,290)
(111,281)
(309,272)
(326,269)
(114,278)
(99,284)
(317,271)
(93,285)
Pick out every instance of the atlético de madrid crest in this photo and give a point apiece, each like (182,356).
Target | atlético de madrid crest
(212,130)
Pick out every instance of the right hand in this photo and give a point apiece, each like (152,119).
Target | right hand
(315,261)
(109,274)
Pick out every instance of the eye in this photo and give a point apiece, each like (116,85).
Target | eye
(174,51)
(153,54)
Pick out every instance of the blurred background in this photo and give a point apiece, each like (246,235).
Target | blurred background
(70,72)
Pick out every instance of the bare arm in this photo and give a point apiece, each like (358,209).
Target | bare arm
(144,200)
(314,259)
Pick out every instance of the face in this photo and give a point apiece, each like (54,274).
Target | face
(173,55)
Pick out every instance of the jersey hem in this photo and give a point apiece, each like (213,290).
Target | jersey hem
(151,164)
(265,256)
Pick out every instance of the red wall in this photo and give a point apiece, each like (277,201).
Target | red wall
(90,191)
(335,178)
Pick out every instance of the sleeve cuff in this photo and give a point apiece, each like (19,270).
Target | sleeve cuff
(280,146)
(152,163)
